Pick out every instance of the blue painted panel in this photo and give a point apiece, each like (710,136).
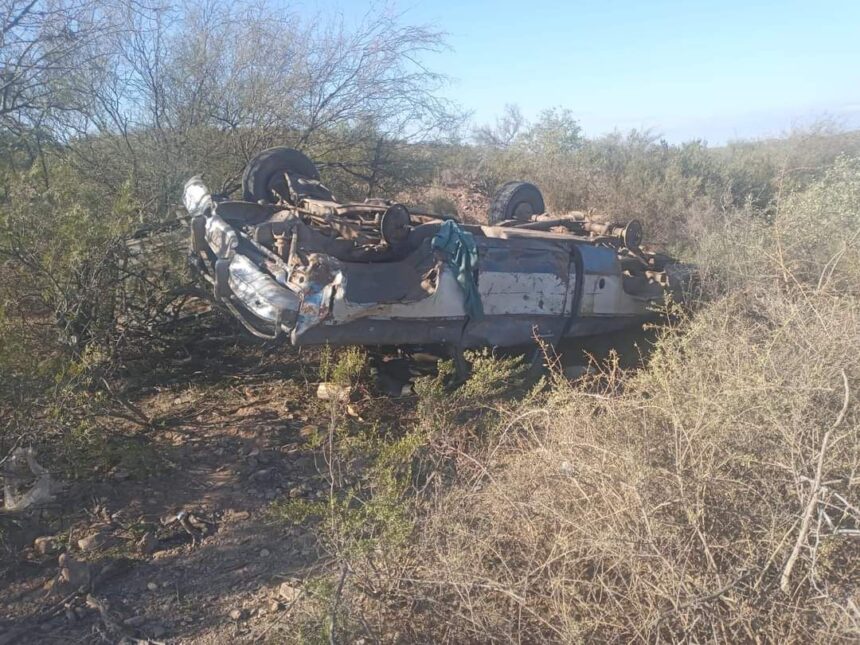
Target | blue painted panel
(523,256)
(599,259)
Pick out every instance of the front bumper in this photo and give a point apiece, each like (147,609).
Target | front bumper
(264,306)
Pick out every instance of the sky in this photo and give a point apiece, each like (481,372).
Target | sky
(718,71)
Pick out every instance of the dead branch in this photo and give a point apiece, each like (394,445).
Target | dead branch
(813,493)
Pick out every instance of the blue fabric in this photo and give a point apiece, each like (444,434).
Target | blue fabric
(460,253)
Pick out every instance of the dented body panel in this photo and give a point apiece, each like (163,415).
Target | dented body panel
(285,270)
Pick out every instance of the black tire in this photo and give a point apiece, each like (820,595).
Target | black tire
(270,165)
(516,200)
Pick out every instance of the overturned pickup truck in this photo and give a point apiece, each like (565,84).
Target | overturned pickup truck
(290,260)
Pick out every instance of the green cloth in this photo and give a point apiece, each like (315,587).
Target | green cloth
(461,254)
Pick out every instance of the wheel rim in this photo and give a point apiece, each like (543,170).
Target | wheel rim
(523,210)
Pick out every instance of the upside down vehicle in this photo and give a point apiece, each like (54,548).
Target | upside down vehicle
(289,260)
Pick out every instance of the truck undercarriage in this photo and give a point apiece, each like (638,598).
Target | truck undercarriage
(289,260)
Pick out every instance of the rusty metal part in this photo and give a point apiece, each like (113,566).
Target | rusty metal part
(659,277)
(632,234)
(318,207)
(355,209)
(281,244)
(546,223)
(322,271)
(629,234)
(395,224)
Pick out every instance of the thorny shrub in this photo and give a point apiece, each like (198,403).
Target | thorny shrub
(675,190)
(74,298)
(374,470)
(711,496)
(667,512)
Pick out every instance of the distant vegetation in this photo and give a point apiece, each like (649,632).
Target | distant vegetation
(712,495)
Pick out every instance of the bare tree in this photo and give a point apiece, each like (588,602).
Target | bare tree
(44,45)
(204,86)
(130,97)
(373,72)
(504,132)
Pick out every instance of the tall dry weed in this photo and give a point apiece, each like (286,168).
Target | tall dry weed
(713,496)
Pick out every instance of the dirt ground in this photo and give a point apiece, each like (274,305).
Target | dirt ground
(166,533)
(229,435)
(471,206)
(170,535)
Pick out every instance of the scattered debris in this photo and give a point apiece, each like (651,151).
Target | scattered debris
(353,412)
(288,592)
(26,482)
(46,545)
(101,539)
(333,392)
(119,474)
(261,474)
(192,524)
(113,627)
(65,549)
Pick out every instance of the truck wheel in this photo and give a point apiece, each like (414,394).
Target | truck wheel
(268,167)
(516,200)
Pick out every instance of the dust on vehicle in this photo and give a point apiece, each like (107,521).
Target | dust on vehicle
(290,260)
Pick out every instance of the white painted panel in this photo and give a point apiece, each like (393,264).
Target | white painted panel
(445,302)
(570,299)
(542,294)
(610,300)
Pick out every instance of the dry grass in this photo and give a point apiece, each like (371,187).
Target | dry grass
(667,512)
(713,496)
